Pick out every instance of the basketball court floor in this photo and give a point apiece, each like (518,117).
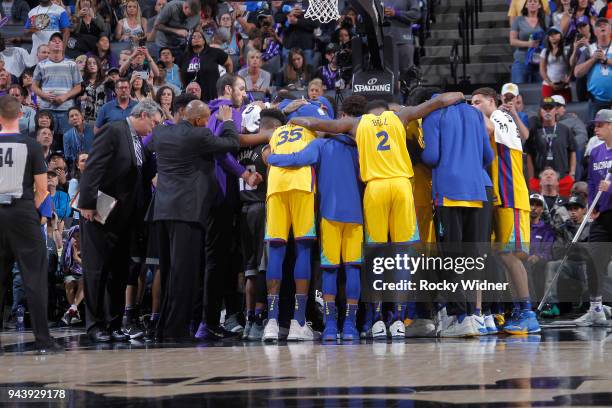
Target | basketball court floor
(560,367)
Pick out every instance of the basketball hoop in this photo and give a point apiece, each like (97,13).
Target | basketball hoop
(323,11)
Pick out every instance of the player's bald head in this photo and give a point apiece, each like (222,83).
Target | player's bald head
(9,108)
(196,110)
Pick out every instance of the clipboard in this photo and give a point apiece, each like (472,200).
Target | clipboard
(104,206)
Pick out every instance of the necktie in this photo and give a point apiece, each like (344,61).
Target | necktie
(137,149)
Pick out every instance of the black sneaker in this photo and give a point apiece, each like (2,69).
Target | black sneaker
(134,330)
(119,336)
(52,347)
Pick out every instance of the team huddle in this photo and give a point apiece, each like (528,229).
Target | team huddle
(361,168)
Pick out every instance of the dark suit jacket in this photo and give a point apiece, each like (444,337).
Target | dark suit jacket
(111,168)
(186,183)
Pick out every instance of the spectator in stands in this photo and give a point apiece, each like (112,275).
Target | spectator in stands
(606,11)
(79,138)
(595,62)
(298,33)
(564,9)
(81,61)
(554,67)
(542,236)
(124,56)
(400,14)
(133,27)
(581,188)
(315,89)
(16,59)
(26,122)
(555,204)
(139,61)
(88,23)
(517,6)
(297,72)
(56,82)
(25,80)
(256,78)
(107,58)
(93,96)
(73,276)
(551,144)
(43,119)
(575,266)
(44,137)
(174,23)
(152,16)
(329,73)
(165,97)
(201,64)
(160,81)
(44,21)
(57,163)
(19,11)
(232,44)
(42,52)
(510,94)
(73,184)
(117,109)
(526,34)
(577,128)
(193,88)
(172,70)
(583,38)
(271,43)
(139,88)
(61,201)
(5,82)
(582,12)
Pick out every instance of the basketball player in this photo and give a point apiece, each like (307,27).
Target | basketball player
(335,159)
(386,168)
(290,205)
(511,216)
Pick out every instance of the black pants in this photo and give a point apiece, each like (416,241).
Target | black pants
(600,244)
(462,228)
(220,277)
(106,261)
(21,240)
(180,262)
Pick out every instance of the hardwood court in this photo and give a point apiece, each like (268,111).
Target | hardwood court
(562,367)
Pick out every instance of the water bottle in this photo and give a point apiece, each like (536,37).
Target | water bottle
(20,326)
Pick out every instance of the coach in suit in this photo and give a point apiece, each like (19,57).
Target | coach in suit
(118,165)
(186,187)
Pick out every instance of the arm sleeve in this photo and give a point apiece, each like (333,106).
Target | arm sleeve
(431,130)
(100,157)
(227,142)
(305,157)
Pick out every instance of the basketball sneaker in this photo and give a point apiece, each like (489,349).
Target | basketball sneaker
(550,311)
(458,326)
(256,332)
(397,330)
(522,323)
(500,320)
(479,325)
(232,324)
(421,328)
(608,311)
(349,331)
(302,333)
(76,318)
(379,330)
(270,332)
(489,322)
(132,328)
(67,318)
(594,317)
(247,330)
(330,333)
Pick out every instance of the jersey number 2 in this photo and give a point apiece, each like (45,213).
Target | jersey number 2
(384,138)
(6,158)
(285,136)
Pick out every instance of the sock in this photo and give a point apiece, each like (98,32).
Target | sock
(250,315)
(258,311)
(477,312)
(351,313)
(377,311)
(400,312)
(460,317)
(273,307)
(525,304)
(128,312)
(74,307)
(299,313)
(596,303)
(330,312)
(154,317)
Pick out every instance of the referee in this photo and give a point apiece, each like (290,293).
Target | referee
(23,187)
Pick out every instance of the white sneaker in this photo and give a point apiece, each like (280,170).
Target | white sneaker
(397,330)
(489,321)
(594,317)
(421,328)
(302,333)
(270,331)
(379,330)
(442,321)
(456,329)
(479,325)
(607,310)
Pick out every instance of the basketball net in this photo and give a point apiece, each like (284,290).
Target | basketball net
(323,11)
